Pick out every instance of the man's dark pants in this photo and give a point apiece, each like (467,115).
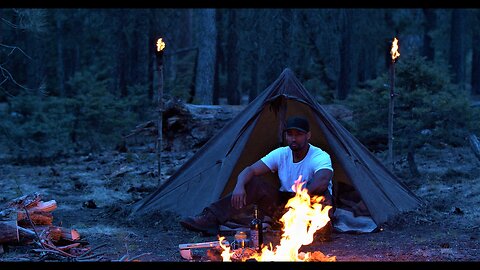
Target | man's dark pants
(259,191)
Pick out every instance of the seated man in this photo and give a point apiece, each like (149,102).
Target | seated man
(298,158)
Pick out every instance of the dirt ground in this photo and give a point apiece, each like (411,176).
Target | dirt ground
(446,230)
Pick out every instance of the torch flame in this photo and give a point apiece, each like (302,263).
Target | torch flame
(394,51)
(160,44)
(305,216)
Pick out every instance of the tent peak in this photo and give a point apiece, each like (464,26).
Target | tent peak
(287,71)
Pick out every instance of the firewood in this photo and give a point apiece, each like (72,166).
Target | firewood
(26,201)
(71,235)
(59,234)
(54,233)
(25,233)
(9,214)
(9,232)
(38,218)
(44,206)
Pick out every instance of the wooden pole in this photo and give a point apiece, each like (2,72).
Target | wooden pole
(395,54)
(390,119)
(159,57)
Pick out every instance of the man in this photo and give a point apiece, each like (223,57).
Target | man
(298,158)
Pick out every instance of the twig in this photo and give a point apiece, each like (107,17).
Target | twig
(33,226)
(91,256)
(90,250)
(60,251)
(48,250)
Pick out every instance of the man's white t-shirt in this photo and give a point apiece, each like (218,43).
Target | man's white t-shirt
(281,160)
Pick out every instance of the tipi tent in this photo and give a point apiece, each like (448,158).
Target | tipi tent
(211,173)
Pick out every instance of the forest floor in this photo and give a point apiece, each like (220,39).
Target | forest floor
(447,229)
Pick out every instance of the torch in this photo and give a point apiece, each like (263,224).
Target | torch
(159,57)
(395,54)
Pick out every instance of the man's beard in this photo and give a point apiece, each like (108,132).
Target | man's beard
(295,147)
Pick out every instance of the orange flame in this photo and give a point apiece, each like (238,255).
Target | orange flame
(160,44)
(394,51)
(305,216)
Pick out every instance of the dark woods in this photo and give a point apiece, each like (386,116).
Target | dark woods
(81,79)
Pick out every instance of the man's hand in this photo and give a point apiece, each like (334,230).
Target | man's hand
(239,197)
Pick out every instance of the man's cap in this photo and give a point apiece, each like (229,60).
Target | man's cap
(298,123)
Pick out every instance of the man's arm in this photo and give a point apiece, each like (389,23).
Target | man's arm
(239,196)
(320,182)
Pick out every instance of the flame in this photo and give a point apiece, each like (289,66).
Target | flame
(160,45)
(226,250)
(304,217)
(394,51)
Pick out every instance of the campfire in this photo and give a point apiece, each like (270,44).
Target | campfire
(304,217)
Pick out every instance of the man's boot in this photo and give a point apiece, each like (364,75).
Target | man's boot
(205,222)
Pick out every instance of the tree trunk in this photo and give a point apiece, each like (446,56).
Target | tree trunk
(287,18)
(233,95)
(205,71)
(315,52)
(411,161)
(122,64)
(346,57)
(430,25)
(186,33)
(457,46)
(60,56)
(476,54)
(216,83)
(252,92)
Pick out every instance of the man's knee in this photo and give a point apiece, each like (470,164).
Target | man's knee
(261,184)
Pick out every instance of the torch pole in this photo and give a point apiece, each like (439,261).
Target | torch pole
(159,57)
(390,118)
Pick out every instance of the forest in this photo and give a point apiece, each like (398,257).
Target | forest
(63,68)
(75,83)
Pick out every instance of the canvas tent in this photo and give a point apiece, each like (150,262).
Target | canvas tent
(211,173)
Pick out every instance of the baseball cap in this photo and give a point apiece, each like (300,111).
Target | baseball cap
(298,123)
